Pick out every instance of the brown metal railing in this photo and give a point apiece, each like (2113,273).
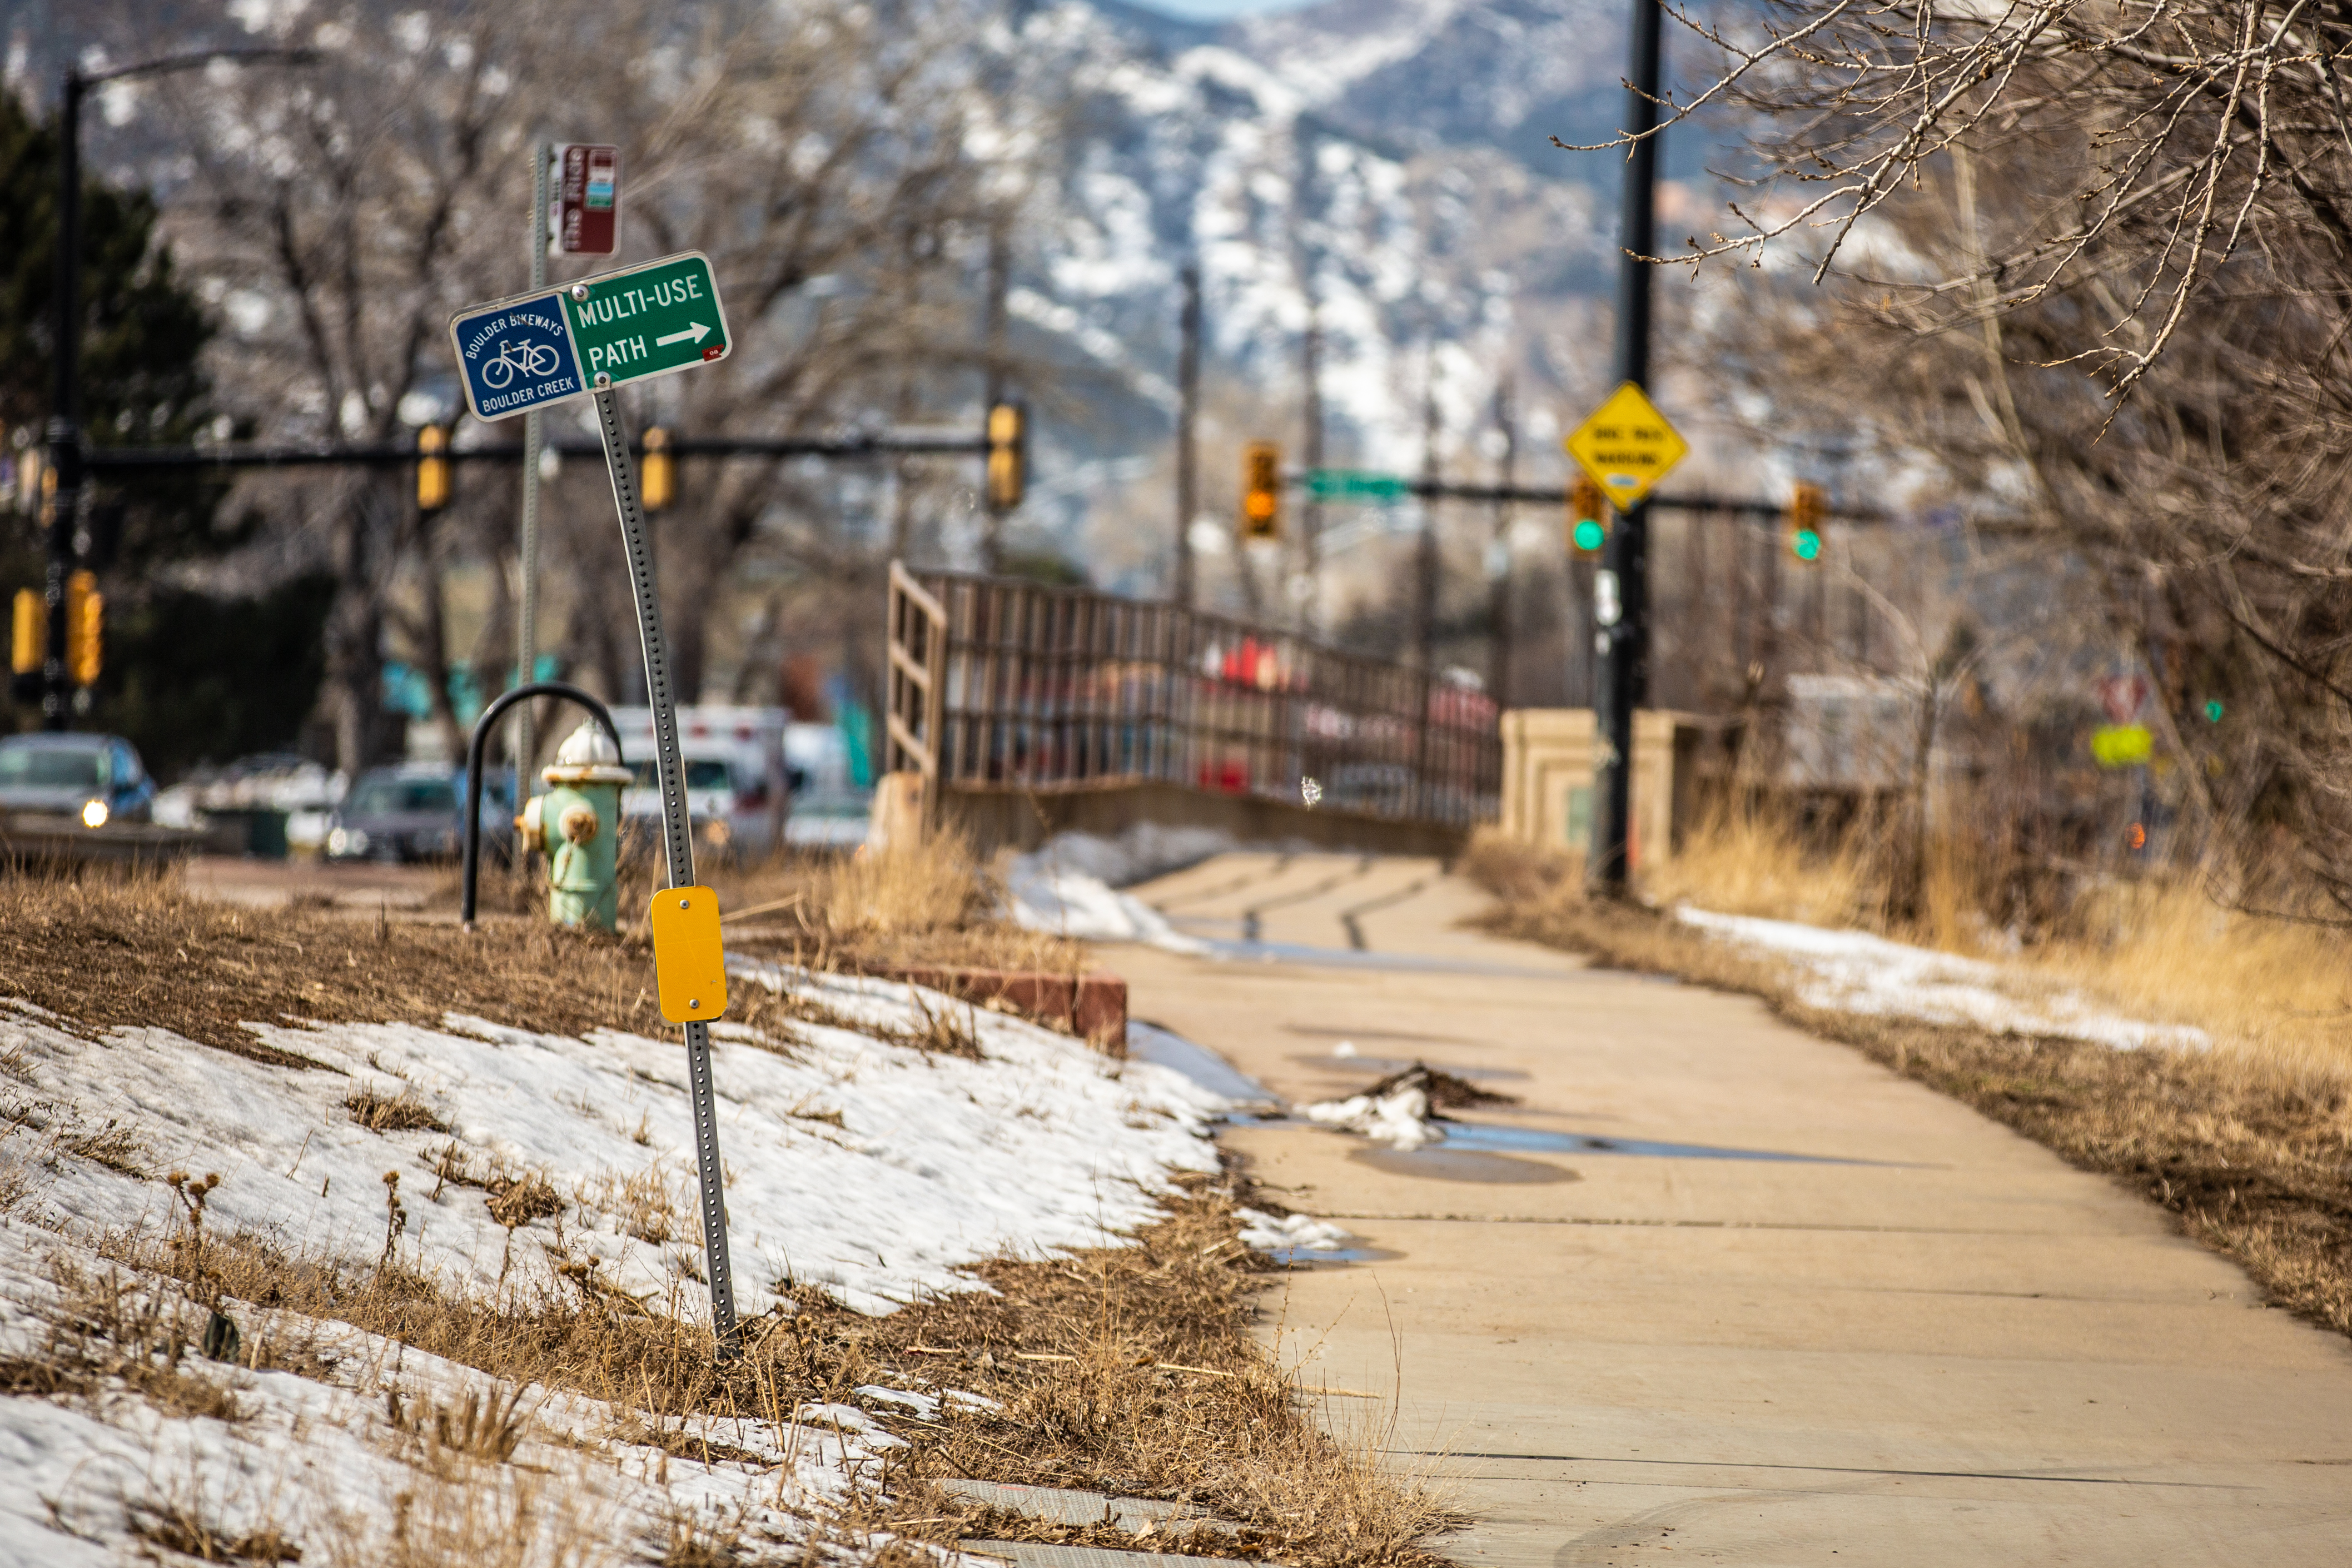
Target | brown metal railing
(1007,686)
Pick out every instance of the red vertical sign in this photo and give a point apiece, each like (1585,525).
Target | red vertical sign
(588,206)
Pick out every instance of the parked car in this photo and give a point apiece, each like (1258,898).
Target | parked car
(97,778)
(415,811)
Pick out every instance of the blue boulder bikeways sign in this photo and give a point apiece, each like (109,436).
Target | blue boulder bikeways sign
(550,345)
(517,355)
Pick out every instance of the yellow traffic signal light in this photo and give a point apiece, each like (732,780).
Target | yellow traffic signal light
(1261,491)
(432,470)
(1008,456)
(1588,514)
(85,629)
(29,641)
(1806,507)
(659,483)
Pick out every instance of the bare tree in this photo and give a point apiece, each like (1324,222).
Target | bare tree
(2092,262)
(830,157)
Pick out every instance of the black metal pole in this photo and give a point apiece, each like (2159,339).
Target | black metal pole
(1621,588)
(65,405)
(478,748)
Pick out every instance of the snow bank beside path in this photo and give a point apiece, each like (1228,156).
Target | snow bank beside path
(1854,972)
(345,1464)
(864,1167)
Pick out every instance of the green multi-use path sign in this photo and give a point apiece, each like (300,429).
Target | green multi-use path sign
(550,345)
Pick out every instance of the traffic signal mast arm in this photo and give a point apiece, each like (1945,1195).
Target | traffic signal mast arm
(1560,494)
(173,459)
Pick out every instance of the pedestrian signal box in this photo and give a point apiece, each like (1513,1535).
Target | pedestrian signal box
(1261,491)
(1588,514)
(1806,507)
(1008,456)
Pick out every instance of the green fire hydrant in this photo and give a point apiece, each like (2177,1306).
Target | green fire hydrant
(577,825)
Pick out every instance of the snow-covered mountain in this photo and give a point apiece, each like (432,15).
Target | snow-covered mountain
(1381,169)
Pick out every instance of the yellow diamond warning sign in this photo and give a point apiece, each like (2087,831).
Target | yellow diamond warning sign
(1627,446)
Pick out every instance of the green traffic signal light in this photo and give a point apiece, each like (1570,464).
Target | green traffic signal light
(1589,534)
(2213,710)
(1805,544)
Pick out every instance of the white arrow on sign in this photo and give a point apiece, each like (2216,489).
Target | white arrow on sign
(694,331)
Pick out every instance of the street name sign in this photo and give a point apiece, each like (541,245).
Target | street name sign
(1327,484)
(550,345)
(588,200)
(1627,446)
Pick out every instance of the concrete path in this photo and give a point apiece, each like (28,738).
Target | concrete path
(1925,1340)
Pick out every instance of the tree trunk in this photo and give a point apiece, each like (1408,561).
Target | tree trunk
(352,694)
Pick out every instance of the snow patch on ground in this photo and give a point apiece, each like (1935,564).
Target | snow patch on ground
(344,1461)
(1852,971)
(1399,1118)
(1291,1232)
(1044,896)
(864,1167)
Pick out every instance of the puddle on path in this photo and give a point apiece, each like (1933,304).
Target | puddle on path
(1448,1162)
(1334,1033)
(1488,1139)
(1298,1256)
(1381,1066)
(1470,1136)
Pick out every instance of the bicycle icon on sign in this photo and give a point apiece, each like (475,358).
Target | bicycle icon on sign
(535,360)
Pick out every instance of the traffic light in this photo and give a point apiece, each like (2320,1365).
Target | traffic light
(658,481)
(28,640)
(432,470)
(1261,491)
(85,629)
(1588,514)
(1008,456)
(1806,505)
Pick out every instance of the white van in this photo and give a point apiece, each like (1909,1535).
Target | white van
(738,785)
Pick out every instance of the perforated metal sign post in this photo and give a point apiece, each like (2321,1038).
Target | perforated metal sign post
(678,855)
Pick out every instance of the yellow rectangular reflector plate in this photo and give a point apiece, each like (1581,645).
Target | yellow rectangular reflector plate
(689,967)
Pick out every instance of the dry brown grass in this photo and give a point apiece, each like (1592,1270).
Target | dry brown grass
(2271,988)
(110,951)
(2277,991)
(1128,1369)
(930,903)
(2252,1150)
(1133,1370)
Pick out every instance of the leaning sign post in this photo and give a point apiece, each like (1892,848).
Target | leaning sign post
(586,340)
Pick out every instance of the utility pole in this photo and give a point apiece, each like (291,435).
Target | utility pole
(1310,513)
(66,541)
(1187,412)
(1425,567)
(1621,590)
(527,547)
(999,267)
(1498,586)
(65,405)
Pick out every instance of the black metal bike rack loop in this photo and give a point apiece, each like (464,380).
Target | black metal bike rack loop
(474,748)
